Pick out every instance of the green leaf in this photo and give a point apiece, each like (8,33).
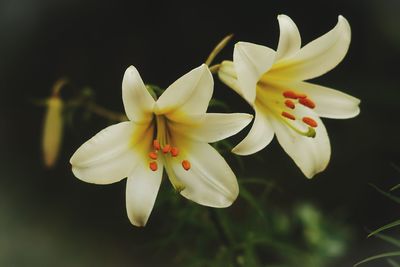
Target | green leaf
(380,256)
(389,239)
(218,103)
(246,195)
(393,263)
(388,195)
(385,227)
(395,187)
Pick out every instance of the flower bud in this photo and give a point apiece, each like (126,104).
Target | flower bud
(53,127)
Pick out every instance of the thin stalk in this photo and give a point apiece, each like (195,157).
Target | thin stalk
(218,49)
(105,113)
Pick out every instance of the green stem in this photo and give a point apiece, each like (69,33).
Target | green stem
(218,49)
(105,113)
(214,68)
(225,238)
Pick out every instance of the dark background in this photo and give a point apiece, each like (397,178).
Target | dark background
(50,218)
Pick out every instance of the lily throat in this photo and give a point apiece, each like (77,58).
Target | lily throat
(163,145)
(283,104)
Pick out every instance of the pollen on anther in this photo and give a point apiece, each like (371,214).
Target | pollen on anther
(307,102)
(174,151)
(310,122)
(301,96)
(289,104)
(153,166)
(288,115)
(156,144)
(290,94)
(153,155)
(166,149)
(186,165)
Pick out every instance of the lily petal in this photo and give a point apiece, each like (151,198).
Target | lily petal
(137,100)
(289,38)
(190,94)
(211,127)
(311,155)
(228,76)
(108,157)
(330,103)
(260,135)
(210,181)
(142,187)
(251,61)
(317,57)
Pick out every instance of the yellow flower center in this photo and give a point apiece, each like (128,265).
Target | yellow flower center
(282,101)
(163,146)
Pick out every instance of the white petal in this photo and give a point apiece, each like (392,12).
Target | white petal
(260,135)
(228,76)
(330,103)
(251,62)
(211,127)
(137,100)
(319,56)
(109,156)
(141,191)
(190,94)
(289,38)
(311,155)
(210,181)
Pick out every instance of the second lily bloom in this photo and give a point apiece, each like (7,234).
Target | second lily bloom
(272,82)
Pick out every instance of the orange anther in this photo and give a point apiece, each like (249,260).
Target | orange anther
(166,149)
(153,155)
(153,166)
(307,102)
(301,96)
(289,104)
(156,144)
(290,94)
(186,165)
(174,151)
(310,122)
(288,115)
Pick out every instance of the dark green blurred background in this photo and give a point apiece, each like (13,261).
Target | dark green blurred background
(50,218)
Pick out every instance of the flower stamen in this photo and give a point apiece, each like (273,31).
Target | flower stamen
(153,166)
(174,151)
(166,149)
(156,144)
(301,96)
(288,115)
(153,155)
(307,102)
(186,165)
(310,122)
(290,94)
(290,104)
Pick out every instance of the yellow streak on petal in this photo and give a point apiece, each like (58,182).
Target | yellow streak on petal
(142,138)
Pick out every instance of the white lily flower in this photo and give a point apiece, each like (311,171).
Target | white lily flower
(272,82)
(172,133)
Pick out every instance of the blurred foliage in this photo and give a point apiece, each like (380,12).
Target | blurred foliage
(251,233)
(254,232)
(384,237)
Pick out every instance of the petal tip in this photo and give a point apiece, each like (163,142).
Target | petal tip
(131,70)
(283,16)
(138,222)
(344,23)
(236,150)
